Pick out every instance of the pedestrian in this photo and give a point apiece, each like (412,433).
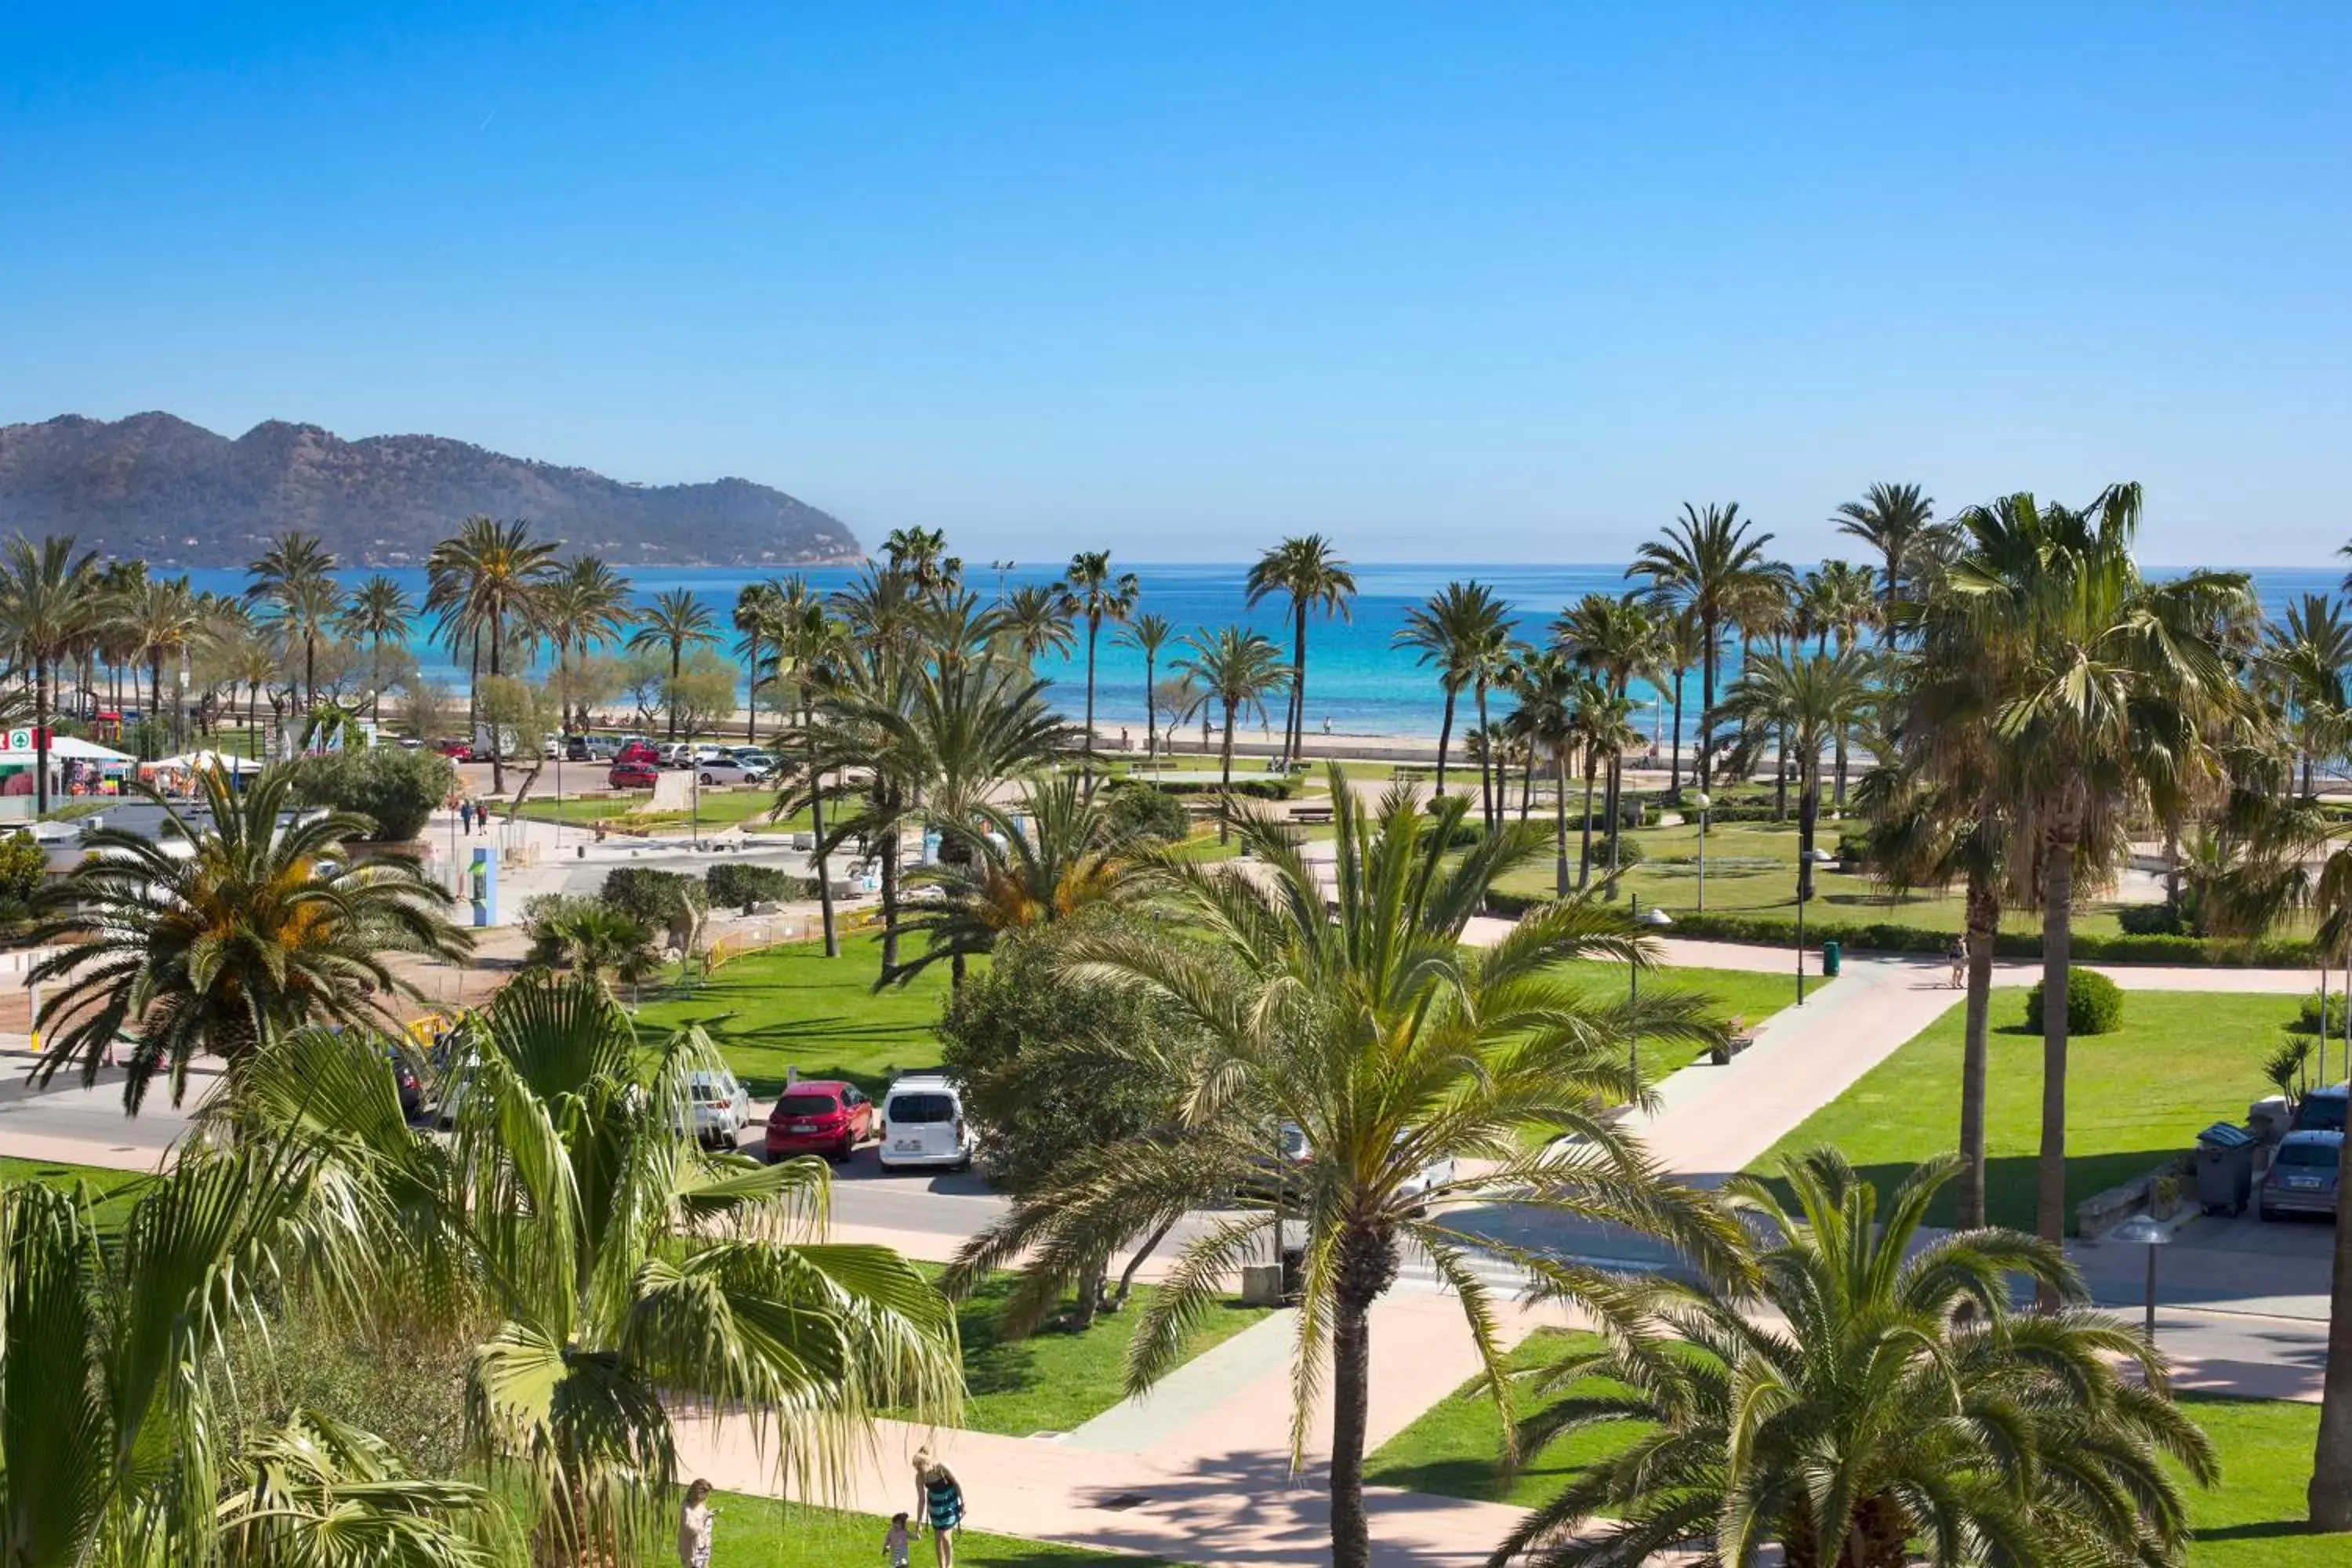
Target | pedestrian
(482,817)
(897,1541)
(939,1499)
(695,1523)
(1960,961)
(465,813)
(1122,738)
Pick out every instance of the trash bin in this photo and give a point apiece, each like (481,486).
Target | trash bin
(1831,956)
(2225,1168)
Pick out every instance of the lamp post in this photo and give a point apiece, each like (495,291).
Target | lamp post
(1698,798)
(2144,1230)
(1655,919)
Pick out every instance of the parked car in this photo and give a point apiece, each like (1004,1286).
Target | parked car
(1415,1188)
(642,751)
(550,746)
(2323,1110)
(923,1125)
(721,1106)
(455,750)
(676,753)
(411,743)
(633,776)
(410,1085)
(2305,1174)
(819,1116)
(729,767)
(590,747)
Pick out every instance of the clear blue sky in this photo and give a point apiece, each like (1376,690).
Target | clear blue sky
(1476,282)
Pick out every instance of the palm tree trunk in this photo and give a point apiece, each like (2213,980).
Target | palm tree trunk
(1613,796)
(889,846)
(498,735)
(2329,1496)
(474,691)
(1150,711)
(1297,691)
(1445,734)
(1781,778)
(1485,764)
(1560,822)
(1352,1385)
(1983,926)
(817,822)
(2057,914)
(751,702)
(1094,628)
(1127,1276)
(1840,769)
(310,668)
(1706,707)
(1225,780)
(155,685)
(1526,784)
(40,736)
(1584,856)
(1674,771)
(677,660)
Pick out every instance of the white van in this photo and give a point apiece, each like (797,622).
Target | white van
(923,1125)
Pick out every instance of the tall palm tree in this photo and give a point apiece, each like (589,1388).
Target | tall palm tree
(1090,593)
(1036,620)
(1304,570)
(1234,671)
(1617,638)
(379,611)
(1882,1404)
(756,605)
(810,647)
(584,605)
(1370,1043)
(490,578)
(2106,687)
(1550,689)
(1148,634)
(292,578)
(2309,656)
(921,554)
(165,615)
(1602,725)
(1709,564)
(675,621)
(1806,699)
(255,929)
(1898,522)
(1463,630)
(46,604)
(1679,649)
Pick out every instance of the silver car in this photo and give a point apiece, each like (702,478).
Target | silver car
(2305,1174)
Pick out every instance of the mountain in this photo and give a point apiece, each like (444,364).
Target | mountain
(156,487)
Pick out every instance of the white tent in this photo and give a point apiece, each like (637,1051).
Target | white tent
(190,762)
(66,749)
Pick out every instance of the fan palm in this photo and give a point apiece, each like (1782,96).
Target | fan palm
(1091,594)
(259,926)
(1305,571)
(921,554)
(1463,630)
(810,646)
(1888,1407)
(1617,638)
(1383,1045)
(164,613)
(595,938)
(675,622)
(1898,522)
(756,605)
(2309,658)
(1235,671)
(1806,699)
(490,579)
(47,600)
(1679,649)
(1709,564)
(1602,726)
(379,611)
(1550,692)
(1146,633)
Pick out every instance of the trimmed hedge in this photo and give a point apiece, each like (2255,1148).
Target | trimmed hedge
(739,884)
(1147,814)
(2095,1003)
(2151,919)
(1254,789)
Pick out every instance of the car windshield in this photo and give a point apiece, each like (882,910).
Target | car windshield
(2322,1114)
(807,1105)
(919,1108)
(2316,1156)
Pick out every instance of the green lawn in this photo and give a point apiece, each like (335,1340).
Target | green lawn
(791,1006)
(760,1532)
(718,809)
(2253,1520)
(2181,1061)
(112,1191)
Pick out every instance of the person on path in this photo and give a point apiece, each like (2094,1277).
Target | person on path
(939,1499)
(694,1521)
(482,818)
(466,814)
(897,1541)
(1960,961)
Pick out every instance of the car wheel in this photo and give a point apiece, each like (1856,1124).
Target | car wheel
(709,780)
(846,1149)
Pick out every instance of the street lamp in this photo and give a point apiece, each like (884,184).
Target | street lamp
(1655,919)
(2148,1231)
(1811,858)
(1698,798)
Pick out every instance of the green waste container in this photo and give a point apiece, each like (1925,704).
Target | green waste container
(1832,954)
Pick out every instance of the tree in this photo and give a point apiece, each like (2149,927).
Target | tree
(1091,594)
(1305,571)
(394,789)
(584,605)
(487,582)
(1679,648)
(1464,630)
(2104,686)
(1898,522)
(1551,692)
(810,646)
(1382,1044)
(1883,1404)
(165,616)
(755,610)
(1235,671)
(1036,619)
(678,621)
(589,937)
(2307,660)
(1708,565)
(45,603)
(292,578)
(1806,699)
(1603,726)
(1616,639)
(1146,633)
(702,695)
(379,611)
(259,929)
(921,554)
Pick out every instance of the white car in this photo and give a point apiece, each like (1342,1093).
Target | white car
(923,1125)
(727,768)
(721,1106)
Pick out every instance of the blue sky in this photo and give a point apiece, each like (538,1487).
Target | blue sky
(1489,282)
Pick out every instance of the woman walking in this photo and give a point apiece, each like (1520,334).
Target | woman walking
(938,1499)
(695,1520)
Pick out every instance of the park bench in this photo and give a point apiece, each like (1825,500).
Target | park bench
(1740,1038)
(1310,813)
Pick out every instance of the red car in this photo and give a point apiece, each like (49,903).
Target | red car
(456,751)
(633,776)
(819,1116)
(640,752)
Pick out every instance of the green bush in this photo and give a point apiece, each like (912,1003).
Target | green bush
(739,884)
(24,867)
(657,899)
(2095,1003)
(1253,788)
(1148,813)
(1886,936)
(394,788)
(2150,919)
(1853,848)
(2307,1021)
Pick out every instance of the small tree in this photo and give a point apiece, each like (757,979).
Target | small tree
(394,788)
(703,694)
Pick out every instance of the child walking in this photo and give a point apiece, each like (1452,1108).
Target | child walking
(898,1541)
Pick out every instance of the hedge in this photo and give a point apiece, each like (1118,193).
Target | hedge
(1255,789)
(739,884)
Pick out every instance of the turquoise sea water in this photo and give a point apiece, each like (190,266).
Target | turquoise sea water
(1356,677)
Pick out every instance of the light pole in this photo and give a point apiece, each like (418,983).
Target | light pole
(2144,1230)
(1698,798)
(1655,919)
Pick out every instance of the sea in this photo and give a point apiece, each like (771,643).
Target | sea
(1358,679)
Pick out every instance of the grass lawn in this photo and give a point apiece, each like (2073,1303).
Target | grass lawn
(2182,1061)
(1059,1378)
(112,1191)
(1742,994)
(760,1532)
(749,808)
(791,1006)
(1452,1449)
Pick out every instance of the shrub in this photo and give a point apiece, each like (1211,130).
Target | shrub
(23,866)
(2095,1003)
(739,884)
(394,788)
(2308,1022)
(1252,789)
(1853,848)
(1889,936)
(2150,919)
(1148,813)
(657,899)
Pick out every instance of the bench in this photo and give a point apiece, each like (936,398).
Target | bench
(1310,813)
(1721,1054)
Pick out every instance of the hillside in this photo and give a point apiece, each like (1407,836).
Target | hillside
(157,487)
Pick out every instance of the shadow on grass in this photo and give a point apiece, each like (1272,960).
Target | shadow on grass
(2012,1182)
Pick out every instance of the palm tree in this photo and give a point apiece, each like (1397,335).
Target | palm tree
(1679,648)
(292,578)
(584,605)
(1036,620)
(2106,687)
(379,611)
(1235,671)
(256,929)
(1304,570)
(1898,522)
(1602,726)
(755,612)
(165,616)
(676,622)
(1882,1404)
(1616,639)
(1369,1043)
(810,646)
(632,1274)
(490,579)
(1089,591)
(1708,565)
(1463,629)
(1806,699)
(46,604)
(1550,689)
(1148,634)
(2309,658)
(590,937)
